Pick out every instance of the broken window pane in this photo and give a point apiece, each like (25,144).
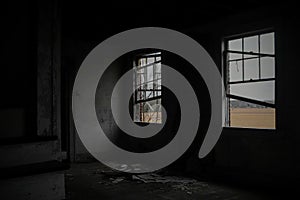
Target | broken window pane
(251,44)
(235,71)
(251,69)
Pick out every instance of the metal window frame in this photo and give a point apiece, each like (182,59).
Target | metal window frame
(138,86)
(258,55)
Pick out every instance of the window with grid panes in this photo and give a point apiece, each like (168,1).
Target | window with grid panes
(147,88)
(250,81)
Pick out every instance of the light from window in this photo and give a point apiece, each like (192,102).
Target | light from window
(250,81)
(147,88)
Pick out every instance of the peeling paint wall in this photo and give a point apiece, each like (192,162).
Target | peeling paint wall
(48,62)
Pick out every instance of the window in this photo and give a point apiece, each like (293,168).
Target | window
(147,88)
(250,81)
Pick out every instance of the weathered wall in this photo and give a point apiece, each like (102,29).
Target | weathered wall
(264,152)
(30,150)
(239,150)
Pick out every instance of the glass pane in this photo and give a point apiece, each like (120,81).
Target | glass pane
(149,73)
(262,91)
(251,44)
(157,76)
(235,71)
(235,45)
(233,56)
(136,111)
(150,60)
(141,95)
(155,85)
(251,69)
(149,94)
(267,43)
(150,85)
(248,115)
(157,71)
(140,70)
(158,84)
(142,62)
(140,79)
(267,67)
(250,56)
(158,67)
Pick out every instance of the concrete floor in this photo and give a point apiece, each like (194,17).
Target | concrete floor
(93,181)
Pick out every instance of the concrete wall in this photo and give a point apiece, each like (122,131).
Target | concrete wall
(267,152)
(30,145)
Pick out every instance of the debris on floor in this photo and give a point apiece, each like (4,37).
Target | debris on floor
(93,181)
(117,180)
(155,178)
(178,183)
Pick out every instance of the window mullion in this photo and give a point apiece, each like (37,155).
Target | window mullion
(254,101)
(259,67)
(243,67)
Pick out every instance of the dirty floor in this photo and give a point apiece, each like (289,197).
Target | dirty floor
(93,181)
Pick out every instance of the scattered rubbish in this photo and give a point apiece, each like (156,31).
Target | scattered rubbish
(112,181)
(178,183)
(182,187)
(154,178)
(117,180)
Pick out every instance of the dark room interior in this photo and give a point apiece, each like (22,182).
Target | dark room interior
(254,46)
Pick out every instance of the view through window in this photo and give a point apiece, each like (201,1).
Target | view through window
(250,81)
(147,88)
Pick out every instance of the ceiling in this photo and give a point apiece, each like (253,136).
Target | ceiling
(89,20)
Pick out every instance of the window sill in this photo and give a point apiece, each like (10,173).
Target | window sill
(236,131)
